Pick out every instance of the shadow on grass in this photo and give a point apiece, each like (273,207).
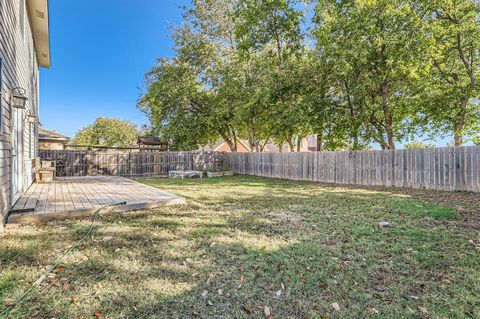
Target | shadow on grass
(231,253)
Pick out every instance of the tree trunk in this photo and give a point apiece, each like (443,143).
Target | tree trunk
(231,144)
(388,117)
(319,142)
(460,123)
(290,145)
(299,144)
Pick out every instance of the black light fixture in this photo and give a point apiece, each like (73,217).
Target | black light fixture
(18,99)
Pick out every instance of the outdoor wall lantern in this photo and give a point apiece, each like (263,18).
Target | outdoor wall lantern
(31,118)
(18,98)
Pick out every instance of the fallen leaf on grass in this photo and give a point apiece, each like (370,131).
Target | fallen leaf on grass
(323,286)
(220,291)
(98,314)
(373,311)
(263,247)
(423,310)
(107,238)
(59,268)
(335,306)
(278,293)
(247,309)
(75,300)
(8,302)
(205,293)
(266,311)
(195,313)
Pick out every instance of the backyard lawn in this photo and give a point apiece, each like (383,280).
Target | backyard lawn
(249,247)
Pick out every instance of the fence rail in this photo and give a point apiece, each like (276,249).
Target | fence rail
(447,168)
(143,164)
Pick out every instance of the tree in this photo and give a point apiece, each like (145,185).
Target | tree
(375,49)
(188,98)
(451,89)
(107,132)
(271,41)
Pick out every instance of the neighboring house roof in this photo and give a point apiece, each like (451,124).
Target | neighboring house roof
(44,134)
(220,143)
(149,140)
(39,22)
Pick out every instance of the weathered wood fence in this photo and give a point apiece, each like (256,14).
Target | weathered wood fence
(447,168)
(141,164)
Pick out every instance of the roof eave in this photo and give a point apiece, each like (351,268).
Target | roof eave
(39,21)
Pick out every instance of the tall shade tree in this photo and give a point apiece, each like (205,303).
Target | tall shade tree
(452,86)
(188,97)
(270,35)
(107,132)
(376,49)
(178,108)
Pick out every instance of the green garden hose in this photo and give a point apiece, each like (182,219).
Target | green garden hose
(37,282)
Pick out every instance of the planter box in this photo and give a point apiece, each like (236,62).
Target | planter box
(219,174)
(214,174)
(185,174)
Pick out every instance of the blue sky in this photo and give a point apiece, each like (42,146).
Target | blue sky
(100,51)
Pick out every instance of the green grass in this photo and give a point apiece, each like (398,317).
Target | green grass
(296,247)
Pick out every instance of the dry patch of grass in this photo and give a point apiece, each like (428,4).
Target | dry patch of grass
(243,243)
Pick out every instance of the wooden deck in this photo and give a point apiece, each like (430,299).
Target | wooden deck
(69,197)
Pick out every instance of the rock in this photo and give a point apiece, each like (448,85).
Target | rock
(335,306)
(383,224)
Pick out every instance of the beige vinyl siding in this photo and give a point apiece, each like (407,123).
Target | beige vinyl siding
(20,69)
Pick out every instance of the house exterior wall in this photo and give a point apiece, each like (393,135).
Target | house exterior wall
(19,68)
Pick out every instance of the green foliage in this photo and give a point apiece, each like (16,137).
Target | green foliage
(418,144)
(450,92)
(357,73)
(375,49)
(107,132)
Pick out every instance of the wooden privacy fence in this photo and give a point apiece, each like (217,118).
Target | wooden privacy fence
(447,168)
(87,163)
